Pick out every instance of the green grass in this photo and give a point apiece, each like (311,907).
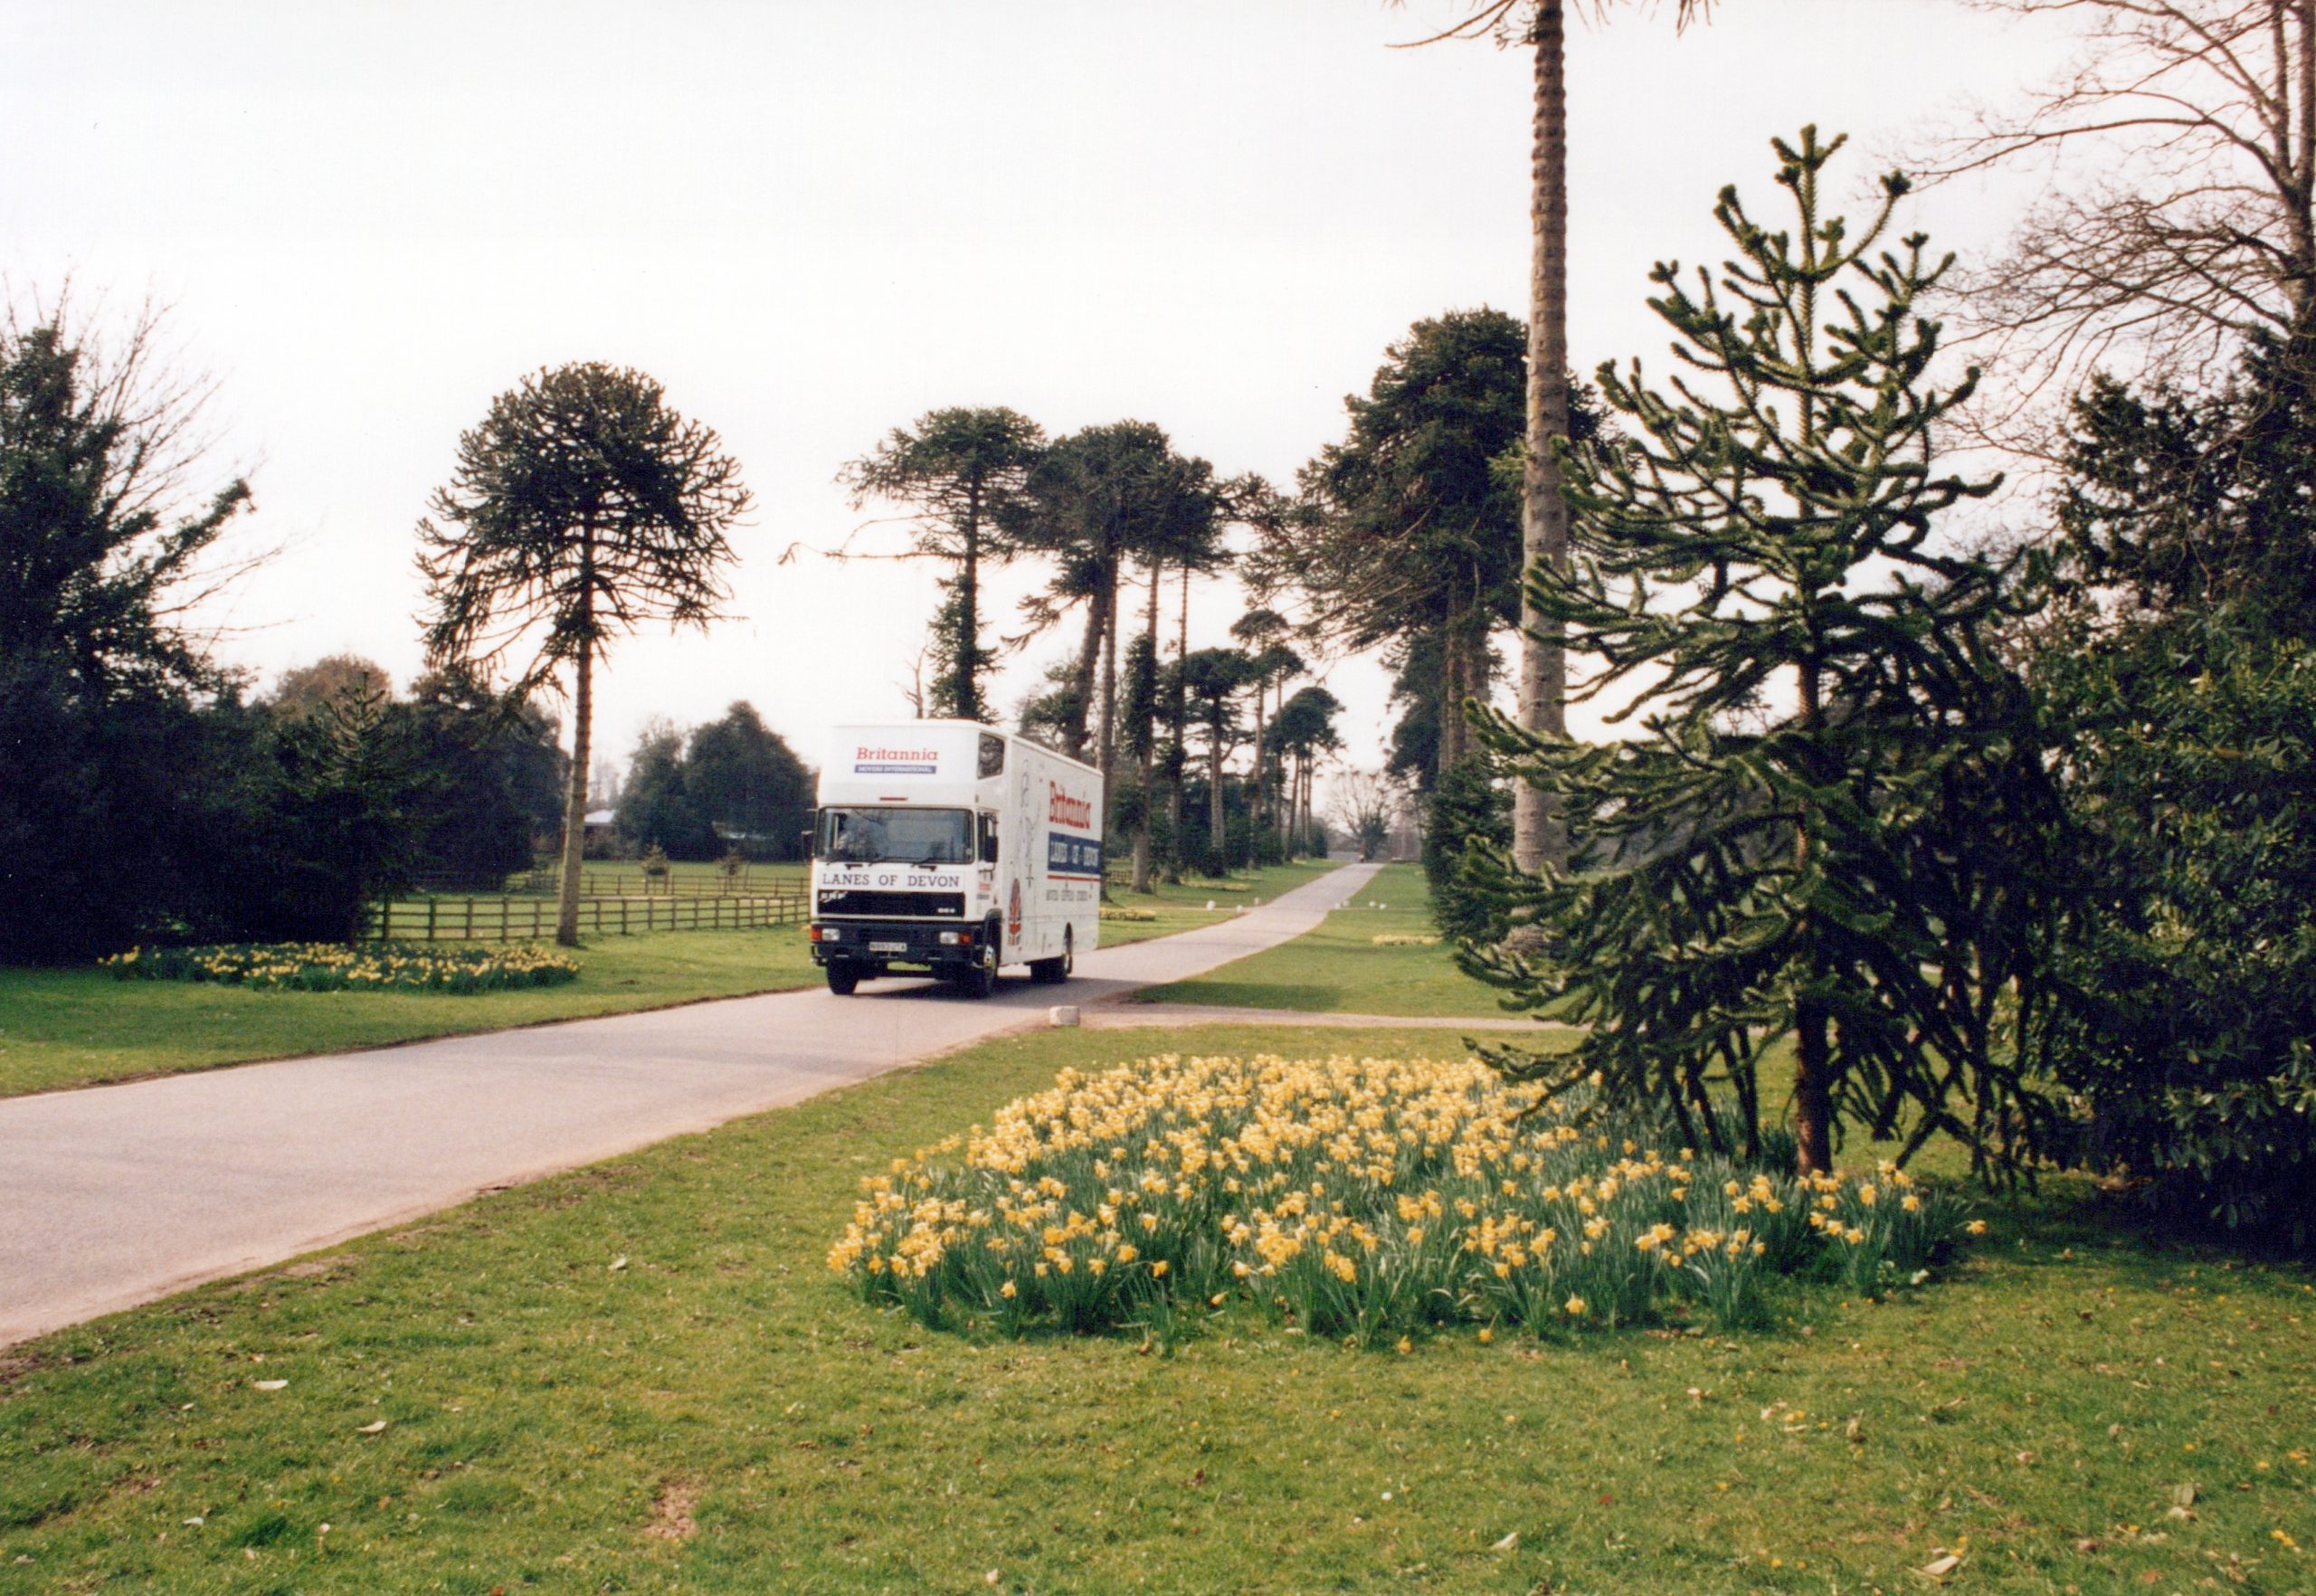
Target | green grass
(69,1028)
(1183,908)
(1339,969)
(554,1423)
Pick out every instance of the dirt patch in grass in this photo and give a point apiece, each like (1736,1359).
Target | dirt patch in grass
(671,1518)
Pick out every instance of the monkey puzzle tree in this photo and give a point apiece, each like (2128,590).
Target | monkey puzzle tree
(581,507)
(959,471)
(1834,820)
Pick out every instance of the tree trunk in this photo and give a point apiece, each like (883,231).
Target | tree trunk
(1294,806)
(1262,780)
(1537,833)
(2303,298)
(574,802)
(1812,1025)
(1174,860)
(1216,839)
(1107,762)
(968,644)
(1813,1112)
(1450,750)
(1280,823)
(1148,735)
(1081,680)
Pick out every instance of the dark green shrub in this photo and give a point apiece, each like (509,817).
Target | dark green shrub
(2190,1033)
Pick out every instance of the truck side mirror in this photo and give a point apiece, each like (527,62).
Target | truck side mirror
(988,839)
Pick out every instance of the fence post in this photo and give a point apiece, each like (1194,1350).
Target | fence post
(430,918)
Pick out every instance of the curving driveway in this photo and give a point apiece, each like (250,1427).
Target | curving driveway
(113,1196)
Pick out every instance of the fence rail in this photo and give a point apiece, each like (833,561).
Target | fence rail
(509,919)
(756,881)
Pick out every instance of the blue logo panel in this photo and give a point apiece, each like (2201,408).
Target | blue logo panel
(1073,855)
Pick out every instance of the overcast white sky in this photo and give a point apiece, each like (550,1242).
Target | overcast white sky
(814,222)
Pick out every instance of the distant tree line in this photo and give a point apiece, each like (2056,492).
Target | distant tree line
(731,787)
(1124,522)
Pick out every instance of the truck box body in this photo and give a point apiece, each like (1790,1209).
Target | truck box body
(956,848)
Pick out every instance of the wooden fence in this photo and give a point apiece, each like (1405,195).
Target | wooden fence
(510,919)
(756,881)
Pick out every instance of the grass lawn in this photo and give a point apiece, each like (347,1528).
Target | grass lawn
(68,1028)
(641,1377)
(1339,968)
(1183,908)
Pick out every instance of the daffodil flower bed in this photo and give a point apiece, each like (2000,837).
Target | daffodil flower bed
(1391,939)
(1365,1199)
(1129,913)
(377,967)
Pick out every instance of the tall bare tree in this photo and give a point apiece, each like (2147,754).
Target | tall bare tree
(2181,146)
(1541,26)
(1368,802)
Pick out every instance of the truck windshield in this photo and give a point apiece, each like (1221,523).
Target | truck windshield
(916,836)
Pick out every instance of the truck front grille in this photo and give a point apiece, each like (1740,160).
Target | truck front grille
(899,906)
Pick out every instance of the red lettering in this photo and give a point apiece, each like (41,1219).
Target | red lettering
(1069,810)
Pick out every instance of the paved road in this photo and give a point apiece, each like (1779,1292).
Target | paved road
(116,1195)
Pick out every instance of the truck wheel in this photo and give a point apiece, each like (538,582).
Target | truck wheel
(981,980)
(843,976)
(1053,972)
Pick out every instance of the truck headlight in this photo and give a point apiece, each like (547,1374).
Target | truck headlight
(948,939)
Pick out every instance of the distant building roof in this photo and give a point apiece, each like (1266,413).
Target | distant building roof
(600,817)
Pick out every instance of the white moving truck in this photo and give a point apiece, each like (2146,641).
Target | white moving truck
(947,846)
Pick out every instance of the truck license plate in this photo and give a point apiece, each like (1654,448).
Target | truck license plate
(888,947)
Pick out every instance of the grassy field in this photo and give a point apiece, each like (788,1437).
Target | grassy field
(1339,968)
(67,1028)
(1183,908)
(641,1377)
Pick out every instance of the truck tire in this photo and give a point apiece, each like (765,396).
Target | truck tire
(981,980)
(1054,972)
(843,976)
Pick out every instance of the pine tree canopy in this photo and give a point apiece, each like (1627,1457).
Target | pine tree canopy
(1826,817)
(960,471)
(583,505)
